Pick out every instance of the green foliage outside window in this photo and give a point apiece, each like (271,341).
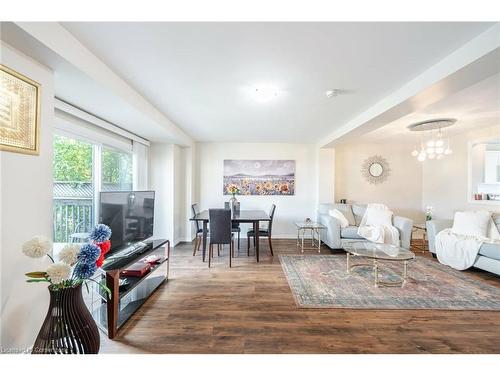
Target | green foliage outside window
(72,160)
(116,167)
(73,163)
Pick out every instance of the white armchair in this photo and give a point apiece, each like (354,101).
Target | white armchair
(336,236)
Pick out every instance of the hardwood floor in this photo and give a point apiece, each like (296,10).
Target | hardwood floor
(250,309)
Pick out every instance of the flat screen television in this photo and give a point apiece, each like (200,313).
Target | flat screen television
(129,214)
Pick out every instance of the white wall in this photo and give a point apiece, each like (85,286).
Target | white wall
(26,211)
(191,191)
(445,181)
(161,177)
(326,175)
(401,192)
(171,176)
(180,187)
(210,157)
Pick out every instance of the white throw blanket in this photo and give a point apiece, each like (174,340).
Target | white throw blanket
(456,250)
(460,251)
(382,231)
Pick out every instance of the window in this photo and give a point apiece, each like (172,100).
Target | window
(116,170)
(73,188)
(76,189)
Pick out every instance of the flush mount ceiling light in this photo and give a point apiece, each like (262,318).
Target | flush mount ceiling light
(434,144)
(264,93)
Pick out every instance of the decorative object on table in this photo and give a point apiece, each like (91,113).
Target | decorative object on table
(138,269)
(19,112)
(315,230)
(428,213)
(260,177)
(153,259)
(100,235)
(375,169)
(321,281)
(68,327)
(233,190)
(434,144)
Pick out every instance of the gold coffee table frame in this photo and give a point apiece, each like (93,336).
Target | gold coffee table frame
(376,252)
(315,229)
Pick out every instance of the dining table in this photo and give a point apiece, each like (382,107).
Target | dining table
(254,217)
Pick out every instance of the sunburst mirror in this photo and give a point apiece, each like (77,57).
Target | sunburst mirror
(375,169)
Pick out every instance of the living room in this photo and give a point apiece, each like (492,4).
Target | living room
(250,187)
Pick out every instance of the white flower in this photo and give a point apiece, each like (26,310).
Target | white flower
(58,272)
(69,253)
(37,247)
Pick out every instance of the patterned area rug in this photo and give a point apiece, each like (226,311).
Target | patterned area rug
(321,281)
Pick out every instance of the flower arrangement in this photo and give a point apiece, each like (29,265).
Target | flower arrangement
(100,236)
(428,213)
(77,262)
(233,189)
(100,233)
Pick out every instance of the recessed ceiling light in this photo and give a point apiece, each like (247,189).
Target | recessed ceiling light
(331,93)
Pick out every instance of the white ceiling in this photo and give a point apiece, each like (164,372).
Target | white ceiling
(87,83)
(197,73)
(475,107)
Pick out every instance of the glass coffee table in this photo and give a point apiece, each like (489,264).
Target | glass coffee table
(315,229)
(376,253)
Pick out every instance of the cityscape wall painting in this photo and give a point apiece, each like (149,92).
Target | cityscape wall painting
(260,177)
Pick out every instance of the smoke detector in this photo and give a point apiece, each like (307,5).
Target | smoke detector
(332,93)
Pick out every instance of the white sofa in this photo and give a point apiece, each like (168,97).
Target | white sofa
(488,258)
(336,236)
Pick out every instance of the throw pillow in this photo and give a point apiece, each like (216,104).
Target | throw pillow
(344,223)
(471,223)
(346,211)
(358,210)
(378,216)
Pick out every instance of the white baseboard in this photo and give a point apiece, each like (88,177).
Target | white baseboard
(181,239)
(289,236)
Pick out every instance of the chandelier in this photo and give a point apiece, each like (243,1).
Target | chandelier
(433,143)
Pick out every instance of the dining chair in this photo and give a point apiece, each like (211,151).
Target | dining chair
(199,230)
(235,227)
(220,232)
(263,232)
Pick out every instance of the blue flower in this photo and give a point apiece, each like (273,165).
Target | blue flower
(89,253)
(100,233)
(84,270)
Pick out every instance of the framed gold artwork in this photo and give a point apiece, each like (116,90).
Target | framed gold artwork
(19,113)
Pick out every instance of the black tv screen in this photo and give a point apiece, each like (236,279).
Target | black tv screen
(129,214)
